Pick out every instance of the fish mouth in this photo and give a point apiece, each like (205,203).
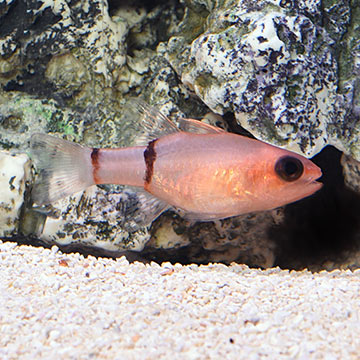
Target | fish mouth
(312,184)
(315,186)
(309,189)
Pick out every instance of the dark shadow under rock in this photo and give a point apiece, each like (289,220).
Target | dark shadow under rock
(322,230)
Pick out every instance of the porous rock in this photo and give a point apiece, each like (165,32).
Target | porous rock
(53,28)
(93,218)
(68,69)
(14,174)
(274,65)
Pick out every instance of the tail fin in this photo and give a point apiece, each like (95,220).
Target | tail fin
(64,168)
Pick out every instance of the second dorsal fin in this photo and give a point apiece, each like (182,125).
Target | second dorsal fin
(198,127)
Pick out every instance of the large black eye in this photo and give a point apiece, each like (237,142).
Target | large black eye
(289,168)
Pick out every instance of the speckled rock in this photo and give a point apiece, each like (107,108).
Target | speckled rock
(351,170)
(68,69)
(273,64)
(47,29)
(243,239)
(80,105)
(14,174)
(71,59)
(69,82)
(22,115)
(93,218)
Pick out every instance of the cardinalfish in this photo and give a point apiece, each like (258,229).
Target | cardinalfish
(204,171)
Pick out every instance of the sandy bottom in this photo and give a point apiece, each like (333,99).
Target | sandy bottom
(65,306)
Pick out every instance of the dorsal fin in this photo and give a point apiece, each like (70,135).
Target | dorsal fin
(153,123)
(198,127)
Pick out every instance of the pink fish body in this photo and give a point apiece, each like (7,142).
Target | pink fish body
(204,171)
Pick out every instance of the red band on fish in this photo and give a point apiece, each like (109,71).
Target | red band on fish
(95,163)
(150,157)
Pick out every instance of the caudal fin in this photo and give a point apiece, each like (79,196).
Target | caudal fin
(64,168)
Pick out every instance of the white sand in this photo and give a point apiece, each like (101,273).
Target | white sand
(63,306)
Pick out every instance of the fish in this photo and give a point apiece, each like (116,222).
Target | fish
(201,170)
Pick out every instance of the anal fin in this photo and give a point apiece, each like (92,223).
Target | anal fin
(143,212)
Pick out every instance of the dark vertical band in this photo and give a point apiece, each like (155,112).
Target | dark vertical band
(95,163)
(149,157)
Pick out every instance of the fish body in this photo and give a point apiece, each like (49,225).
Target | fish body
(222,175)
(204,171)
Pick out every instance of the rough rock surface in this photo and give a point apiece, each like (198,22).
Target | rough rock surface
(14,173)
(289,77)
(274,65)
